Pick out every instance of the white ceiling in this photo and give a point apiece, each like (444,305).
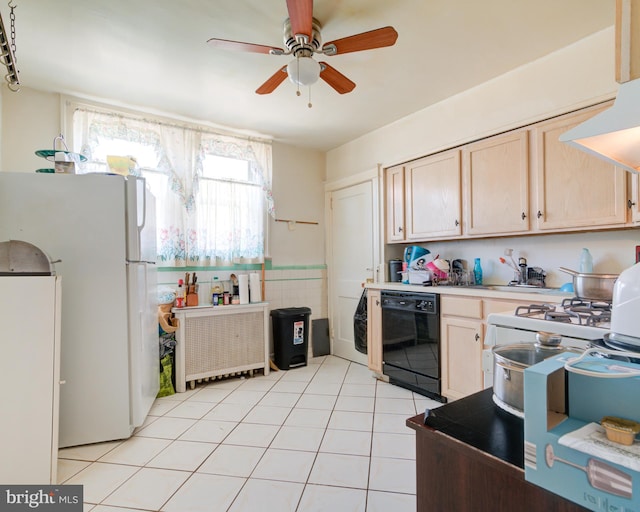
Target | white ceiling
(153,54)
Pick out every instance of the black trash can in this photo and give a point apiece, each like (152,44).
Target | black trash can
(290,336)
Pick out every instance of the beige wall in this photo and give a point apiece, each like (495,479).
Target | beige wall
(574,77)
(31,120)
(298,193)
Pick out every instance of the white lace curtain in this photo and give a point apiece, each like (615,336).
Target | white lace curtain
(201,222)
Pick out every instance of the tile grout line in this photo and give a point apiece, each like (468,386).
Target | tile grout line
(270,389)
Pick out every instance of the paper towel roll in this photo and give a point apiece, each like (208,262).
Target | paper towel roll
(243,284)
(255,291)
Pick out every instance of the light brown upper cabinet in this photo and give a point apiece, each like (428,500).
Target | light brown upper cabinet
(433,205)
(574,190)
(395,203)
(423,199)
(524,181)
(627,38)
(633,203)
(496,184)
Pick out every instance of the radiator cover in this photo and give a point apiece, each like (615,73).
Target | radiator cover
(218,341)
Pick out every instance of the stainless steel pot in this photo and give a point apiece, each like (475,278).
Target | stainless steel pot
(592,286)
(509,363)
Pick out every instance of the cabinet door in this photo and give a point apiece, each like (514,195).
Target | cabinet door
(496,184)
(374,331)
(394,201)
(461,357)
(633,203)
(575,190)
(433,197)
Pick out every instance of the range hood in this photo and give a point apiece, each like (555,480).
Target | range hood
(613,135)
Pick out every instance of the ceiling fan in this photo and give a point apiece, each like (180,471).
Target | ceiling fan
(302,39)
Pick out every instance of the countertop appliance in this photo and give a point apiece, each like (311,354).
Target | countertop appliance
(625,311)
(411,341)
(102,229)
(30,364)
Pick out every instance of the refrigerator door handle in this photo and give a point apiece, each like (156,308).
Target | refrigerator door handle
(143,182)
(140,261)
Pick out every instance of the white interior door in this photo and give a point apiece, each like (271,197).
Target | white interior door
(352,260)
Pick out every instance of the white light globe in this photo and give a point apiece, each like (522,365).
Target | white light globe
(303,71)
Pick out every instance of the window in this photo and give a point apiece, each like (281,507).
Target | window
(213,191)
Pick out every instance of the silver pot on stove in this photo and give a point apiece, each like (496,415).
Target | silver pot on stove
(592,286)
(509,363)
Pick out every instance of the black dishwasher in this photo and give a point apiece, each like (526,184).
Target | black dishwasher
(411,341)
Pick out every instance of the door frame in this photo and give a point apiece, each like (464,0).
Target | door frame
(375,177)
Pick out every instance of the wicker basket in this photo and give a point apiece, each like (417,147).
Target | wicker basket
(619,430)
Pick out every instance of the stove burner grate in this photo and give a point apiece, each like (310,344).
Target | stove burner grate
(534,309)
(574,310)
(591,305)
(559,316)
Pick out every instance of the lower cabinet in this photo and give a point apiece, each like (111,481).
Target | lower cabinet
(461,331)
(461,357)
(30,368)
(462,328)
(374,331)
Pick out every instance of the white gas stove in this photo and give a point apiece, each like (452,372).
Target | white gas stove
(577,321)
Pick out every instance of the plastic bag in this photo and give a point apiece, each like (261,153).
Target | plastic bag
(360,324)
(166,376)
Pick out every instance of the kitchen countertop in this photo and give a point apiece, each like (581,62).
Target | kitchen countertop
(490,292)
(479,447)
(477,421)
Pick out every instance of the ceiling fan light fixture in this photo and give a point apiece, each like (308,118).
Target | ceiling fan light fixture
(303,71)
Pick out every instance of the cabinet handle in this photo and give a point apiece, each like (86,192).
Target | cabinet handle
(457,223)
(524,215)
(400,229)
(630,203)
(539,214)
(377,302)
(477,337)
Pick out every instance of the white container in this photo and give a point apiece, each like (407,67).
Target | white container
(243,282)
(419,276)
(625,319)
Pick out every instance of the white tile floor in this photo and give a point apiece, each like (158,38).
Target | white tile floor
(324,437)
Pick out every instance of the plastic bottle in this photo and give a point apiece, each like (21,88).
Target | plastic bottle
(477,271)
(216,291)
(586,262)
(180,294)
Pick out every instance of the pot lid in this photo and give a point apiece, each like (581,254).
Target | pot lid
(18,258)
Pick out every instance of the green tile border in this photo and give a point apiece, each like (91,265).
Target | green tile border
(268,266)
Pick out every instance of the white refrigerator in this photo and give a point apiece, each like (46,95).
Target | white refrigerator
(102,229)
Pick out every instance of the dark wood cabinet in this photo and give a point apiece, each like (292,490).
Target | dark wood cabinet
(453,474)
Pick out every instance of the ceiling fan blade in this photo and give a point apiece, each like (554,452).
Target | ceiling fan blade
(273,81)
(336,79)
(377,38)
(301,16)
(243,47)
